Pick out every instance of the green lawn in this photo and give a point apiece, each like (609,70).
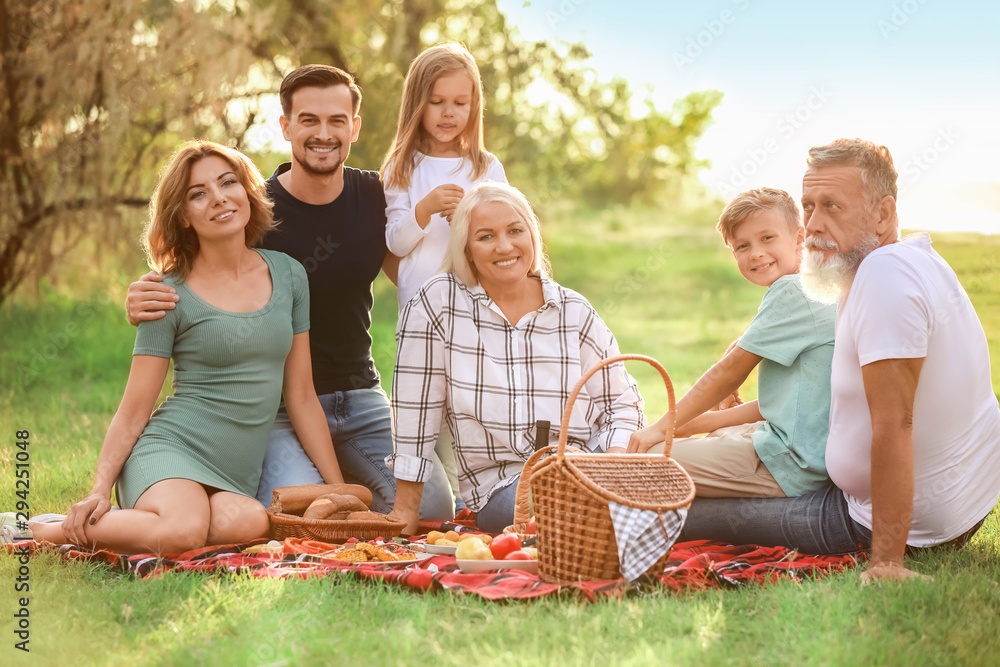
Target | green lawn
(668,289)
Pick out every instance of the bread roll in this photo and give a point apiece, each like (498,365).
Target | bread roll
(295,499)
(325,506)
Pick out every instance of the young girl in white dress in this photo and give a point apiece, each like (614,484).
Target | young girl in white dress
(437,155)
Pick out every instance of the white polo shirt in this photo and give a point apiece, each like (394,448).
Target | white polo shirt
(907,303)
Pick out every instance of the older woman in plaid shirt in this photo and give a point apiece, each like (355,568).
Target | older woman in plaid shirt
(490,346)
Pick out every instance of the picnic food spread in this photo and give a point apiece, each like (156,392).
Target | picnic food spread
(366,552)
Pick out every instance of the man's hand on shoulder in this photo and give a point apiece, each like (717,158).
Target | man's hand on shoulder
(149,299)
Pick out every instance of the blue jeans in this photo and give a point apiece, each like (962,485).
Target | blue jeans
(359,422)
(817,523)
(498,512)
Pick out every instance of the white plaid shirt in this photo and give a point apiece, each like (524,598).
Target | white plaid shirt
(459,359)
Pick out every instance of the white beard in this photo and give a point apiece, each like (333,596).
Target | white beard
(826,280)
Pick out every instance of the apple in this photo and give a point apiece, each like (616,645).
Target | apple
(531,528)
(504,544)
(472,550)
(519,555)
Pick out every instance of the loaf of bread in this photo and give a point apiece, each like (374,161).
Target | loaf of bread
(295,499)
(326,506)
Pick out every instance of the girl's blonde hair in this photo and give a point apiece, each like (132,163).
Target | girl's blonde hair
(456,260)
(171,245)
(424,72)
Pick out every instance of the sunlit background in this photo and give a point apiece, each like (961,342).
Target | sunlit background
(920,76)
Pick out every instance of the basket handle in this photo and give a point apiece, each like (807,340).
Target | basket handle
(522,497)
(671,412)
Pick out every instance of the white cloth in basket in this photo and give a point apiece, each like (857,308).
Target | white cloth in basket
(643,536)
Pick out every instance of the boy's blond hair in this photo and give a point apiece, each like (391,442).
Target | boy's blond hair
(752,202)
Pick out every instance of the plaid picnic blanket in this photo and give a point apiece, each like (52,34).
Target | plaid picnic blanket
(693,566)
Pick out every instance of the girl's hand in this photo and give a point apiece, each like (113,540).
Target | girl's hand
(82,515)
(443,199)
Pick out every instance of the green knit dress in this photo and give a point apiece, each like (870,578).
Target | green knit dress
(228,372)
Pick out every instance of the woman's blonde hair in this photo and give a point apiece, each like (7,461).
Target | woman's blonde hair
(170,244)
(456,260)
(425,70)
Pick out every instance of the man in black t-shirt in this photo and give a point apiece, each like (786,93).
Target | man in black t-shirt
(331,218)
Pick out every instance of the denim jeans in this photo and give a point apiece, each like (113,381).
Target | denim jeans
(817,523)
(359,422)
(498,512)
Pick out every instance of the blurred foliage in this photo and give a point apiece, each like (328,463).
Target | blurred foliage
(96,94)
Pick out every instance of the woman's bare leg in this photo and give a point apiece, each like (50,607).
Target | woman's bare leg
(172,516)
(235,518)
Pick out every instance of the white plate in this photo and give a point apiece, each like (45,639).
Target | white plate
(440,549)
(474,566)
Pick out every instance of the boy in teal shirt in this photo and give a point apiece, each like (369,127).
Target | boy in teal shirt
(774,446)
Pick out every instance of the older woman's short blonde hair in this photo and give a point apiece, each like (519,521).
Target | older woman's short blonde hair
(456,259)
(170,244)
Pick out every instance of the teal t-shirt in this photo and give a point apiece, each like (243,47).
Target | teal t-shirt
(794,337)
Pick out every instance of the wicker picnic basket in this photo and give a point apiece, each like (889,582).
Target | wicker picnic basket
(290,525)
(570,491)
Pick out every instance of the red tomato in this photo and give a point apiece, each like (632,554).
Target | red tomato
(504,544)
(518,555)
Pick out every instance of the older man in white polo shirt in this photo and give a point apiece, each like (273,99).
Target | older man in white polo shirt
(914,445)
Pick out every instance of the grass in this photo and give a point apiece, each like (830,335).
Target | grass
(668,289)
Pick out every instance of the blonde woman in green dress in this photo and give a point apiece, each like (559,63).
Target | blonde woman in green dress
(186,476)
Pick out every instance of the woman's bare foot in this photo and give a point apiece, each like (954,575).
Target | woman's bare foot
(47,532)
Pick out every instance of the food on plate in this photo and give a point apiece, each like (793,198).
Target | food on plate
(366,552)
(531,551)
(473,550)
(504,544)
(520,554)
(331,506)
(272,547)
(451,538)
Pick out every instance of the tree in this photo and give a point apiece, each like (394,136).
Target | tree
(80,144)
(95,94)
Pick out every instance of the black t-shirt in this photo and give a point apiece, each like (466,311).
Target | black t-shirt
(342,246)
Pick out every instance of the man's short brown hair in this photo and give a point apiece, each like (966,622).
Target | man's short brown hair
(752,202)
(317,76)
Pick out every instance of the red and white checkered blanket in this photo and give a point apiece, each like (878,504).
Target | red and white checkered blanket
(693,566)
